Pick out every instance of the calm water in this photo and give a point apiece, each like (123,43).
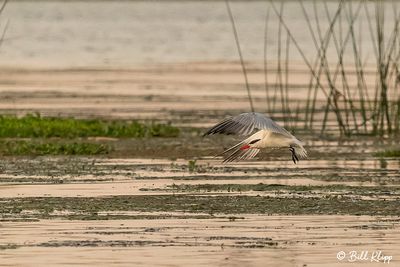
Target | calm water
(126,33)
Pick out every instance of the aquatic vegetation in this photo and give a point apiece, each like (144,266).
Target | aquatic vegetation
(46,206)
(37,126)
(292,189)
(392,153)
(18,148)
(192,165)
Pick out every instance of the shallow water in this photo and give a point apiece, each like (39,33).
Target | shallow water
(178,238)
(125,33)
(142,187)
(184,238)
(253,240)
(106,177)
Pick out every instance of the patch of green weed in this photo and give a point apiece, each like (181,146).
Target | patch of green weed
(394,153)
(18,148)
(37,126)
(192,165)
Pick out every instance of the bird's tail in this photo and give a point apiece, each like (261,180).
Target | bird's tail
(300,150)
(240,151)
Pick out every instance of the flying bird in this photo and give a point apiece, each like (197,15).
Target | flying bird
(268,135)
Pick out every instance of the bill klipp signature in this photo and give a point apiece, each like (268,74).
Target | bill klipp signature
(364,255)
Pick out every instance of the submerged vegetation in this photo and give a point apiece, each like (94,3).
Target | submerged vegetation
(277,188)
(52,207)
(34,126)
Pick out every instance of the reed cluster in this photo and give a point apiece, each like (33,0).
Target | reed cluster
(360,94)
(350,90)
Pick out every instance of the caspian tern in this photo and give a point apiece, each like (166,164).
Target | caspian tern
(269,135)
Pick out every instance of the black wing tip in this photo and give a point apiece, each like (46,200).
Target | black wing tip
(213,133)
(205,134)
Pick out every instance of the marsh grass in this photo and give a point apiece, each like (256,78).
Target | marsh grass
(35,126)
(32,148)
(393,153)
(53,136)
(192,165)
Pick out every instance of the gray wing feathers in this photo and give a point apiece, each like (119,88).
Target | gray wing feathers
(263,122)
(245,123)
(233,125)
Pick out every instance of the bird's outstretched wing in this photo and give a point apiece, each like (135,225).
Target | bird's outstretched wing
(245,124)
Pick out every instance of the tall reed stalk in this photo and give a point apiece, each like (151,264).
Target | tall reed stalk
(354,103)
(246,80)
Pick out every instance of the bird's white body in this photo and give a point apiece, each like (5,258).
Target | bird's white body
(268,139)
(269,135)
(271,140)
